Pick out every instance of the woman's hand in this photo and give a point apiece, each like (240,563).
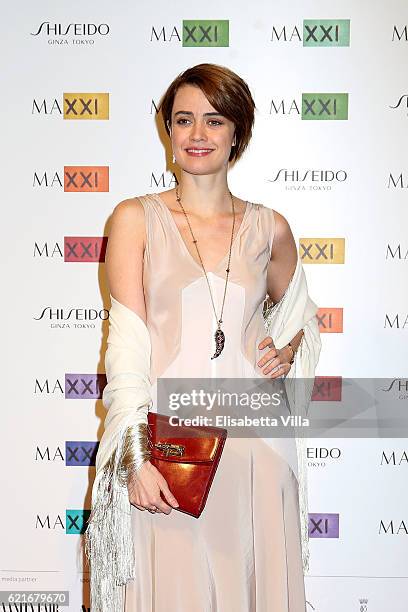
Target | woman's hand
(276,360)
(144,486)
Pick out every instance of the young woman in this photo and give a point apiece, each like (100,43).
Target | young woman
(190,262)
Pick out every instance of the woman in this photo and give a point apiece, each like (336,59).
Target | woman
(193,266)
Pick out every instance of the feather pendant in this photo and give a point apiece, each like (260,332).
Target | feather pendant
(219,342)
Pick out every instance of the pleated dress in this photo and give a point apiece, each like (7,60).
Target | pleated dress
(243,554)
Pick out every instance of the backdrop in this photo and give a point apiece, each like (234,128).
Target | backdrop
(81,131)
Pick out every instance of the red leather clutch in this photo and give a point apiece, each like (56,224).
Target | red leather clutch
(187,457)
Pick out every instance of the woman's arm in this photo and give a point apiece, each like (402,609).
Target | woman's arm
(124,271)
(124,255)
(281,268)
(283,259)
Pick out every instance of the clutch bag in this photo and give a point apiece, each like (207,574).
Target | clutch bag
(187,457)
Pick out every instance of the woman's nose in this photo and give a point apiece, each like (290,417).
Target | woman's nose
(197,131)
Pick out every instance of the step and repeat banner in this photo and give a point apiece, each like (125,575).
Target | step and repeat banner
(82,130)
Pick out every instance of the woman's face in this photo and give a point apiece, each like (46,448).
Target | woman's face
(201,137)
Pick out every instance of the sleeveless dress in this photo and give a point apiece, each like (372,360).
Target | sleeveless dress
(243,554)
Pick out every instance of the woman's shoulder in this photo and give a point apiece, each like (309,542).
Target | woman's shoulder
(278,220)
(130,208)
(276,226)
(128,215)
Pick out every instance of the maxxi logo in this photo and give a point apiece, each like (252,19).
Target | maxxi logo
(322,250)
(323,525)
(330,320)
(326,388)
(84,386)
(85,249)
(324,106)
(316,33)
(78,453)
(74,522)
(194,33)
(75,179)
(75,106)
(77,249)
(313,106)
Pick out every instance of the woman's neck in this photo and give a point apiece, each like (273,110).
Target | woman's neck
(210,197)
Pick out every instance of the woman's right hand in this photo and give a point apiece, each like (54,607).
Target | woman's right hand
(144,486)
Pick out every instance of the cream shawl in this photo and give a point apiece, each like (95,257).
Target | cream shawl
(127,398)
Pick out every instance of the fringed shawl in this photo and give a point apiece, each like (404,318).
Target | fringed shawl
(108,537)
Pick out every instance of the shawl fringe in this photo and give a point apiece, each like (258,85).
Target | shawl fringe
(108,537)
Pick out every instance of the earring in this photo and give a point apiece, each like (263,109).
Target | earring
(174,159)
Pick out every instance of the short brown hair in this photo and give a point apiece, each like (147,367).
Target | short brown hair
(226,92)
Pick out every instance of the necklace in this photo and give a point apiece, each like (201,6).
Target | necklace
(219,334)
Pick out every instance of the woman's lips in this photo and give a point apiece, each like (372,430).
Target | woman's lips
(198,152)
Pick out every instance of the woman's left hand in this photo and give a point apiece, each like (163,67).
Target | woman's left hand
(276,361)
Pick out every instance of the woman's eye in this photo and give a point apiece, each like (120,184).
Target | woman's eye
(212,121)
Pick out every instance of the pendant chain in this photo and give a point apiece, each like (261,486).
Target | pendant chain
(219,321)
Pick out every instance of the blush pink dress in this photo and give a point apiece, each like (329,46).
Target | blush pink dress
(244,552)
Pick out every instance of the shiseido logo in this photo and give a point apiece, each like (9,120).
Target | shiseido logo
(313,106)
(321,456)
(309,179)
(399,33)
(393,527)
(75,179)
(315,33)
(74,521)
(323,525)
(399,103)
(396,252)
(400,182)
(396,321)
(195,33)
(64,34)
(78,453)
(398,387)
(77,249)
(394,458)
(75,318)
(74,106)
